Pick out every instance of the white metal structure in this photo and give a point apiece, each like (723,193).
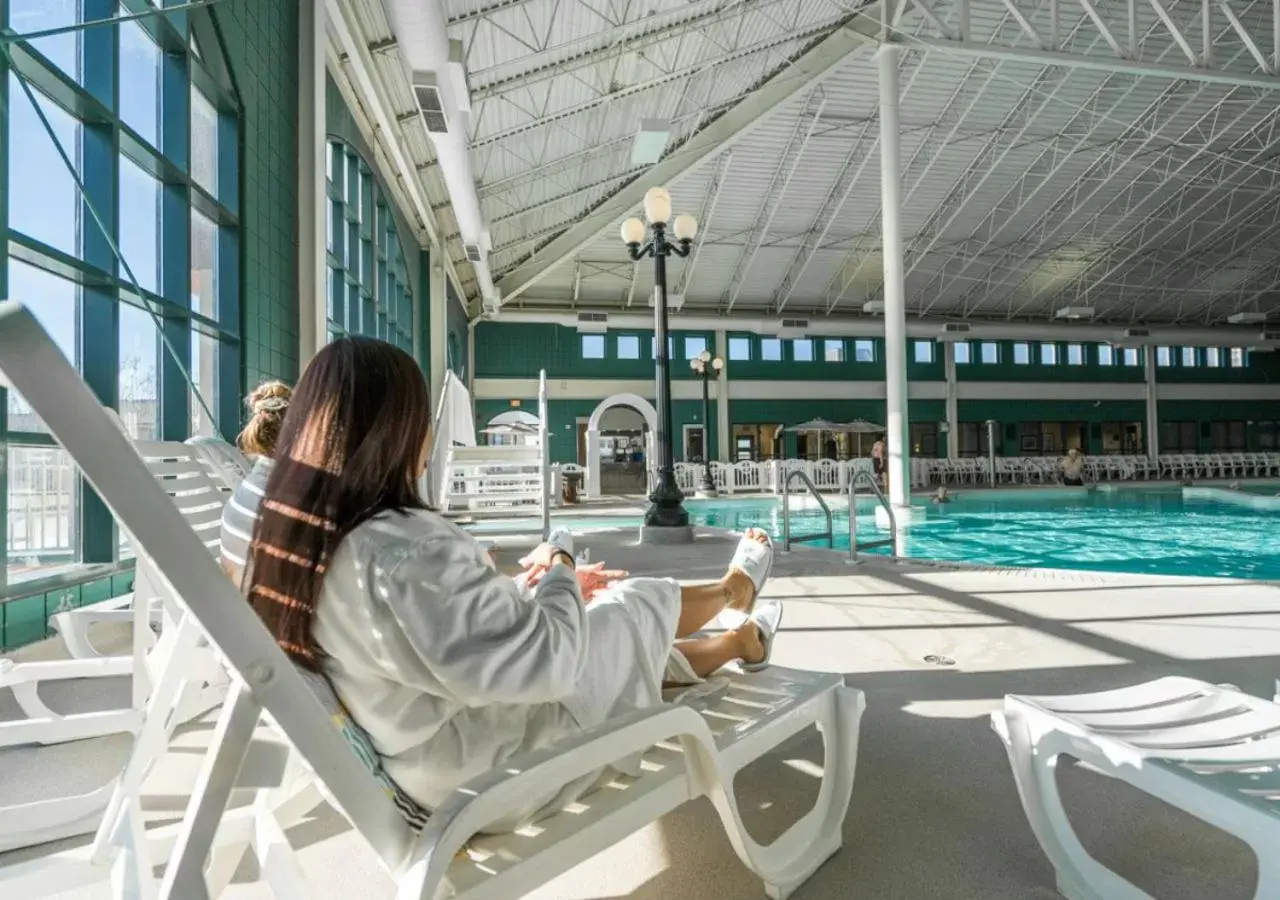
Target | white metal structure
(225,464)
(504,478)
(1066,154)
(177,675)
(1209,750)
(690,755)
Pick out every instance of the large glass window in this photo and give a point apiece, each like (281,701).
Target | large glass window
(369,288)
(922,351)
(739,349)
(802,350)
(62,50)
(137,139)
(44,204)
(771,349)
(139,373)
(963,352)
(628,346)
(204,142)
(140,80)
(140,225)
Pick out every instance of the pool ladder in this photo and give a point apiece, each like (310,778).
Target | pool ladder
(892,540)
(854,546)
(787,537)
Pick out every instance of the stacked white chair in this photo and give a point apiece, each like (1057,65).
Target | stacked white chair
(177,670)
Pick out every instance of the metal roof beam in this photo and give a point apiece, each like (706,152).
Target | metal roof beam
(929,150)
(1105,25)
(770,202)
(850,171)
(768,43)
(1001,215)
(705,215)
(616,47)
(796,76)
(1143,184)
(1219,173)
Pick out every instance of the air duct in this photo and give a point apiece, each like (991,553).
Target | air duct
(439,83)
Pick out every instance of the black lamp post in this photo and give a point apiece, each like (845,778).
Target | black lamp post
(706,367)
(666,503)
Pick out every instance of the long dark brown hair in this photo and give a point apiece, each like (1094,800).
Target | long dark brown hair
(351,446)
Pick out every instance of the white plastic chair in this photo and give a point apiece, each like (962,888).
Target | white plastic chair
(693,750)
(178,671)
(1211,751)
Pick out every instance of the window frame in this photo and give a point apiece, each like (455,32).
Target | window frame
(115,138)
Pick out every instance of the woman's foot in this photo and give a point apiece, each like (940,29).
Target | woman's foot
(748,571)
(749,643)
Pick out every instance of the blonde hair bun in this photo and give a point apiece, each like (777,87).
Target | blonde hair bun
(268,397)
(267,405)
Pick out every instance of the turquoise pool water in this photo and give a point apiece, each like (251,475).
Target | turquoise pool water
(1140,531)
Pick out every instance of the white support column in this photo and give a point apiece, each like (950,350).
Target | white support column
(313,305)
(438,324)
(953,402)
(1153,406)
(471,368)
(895,320)
(724,440)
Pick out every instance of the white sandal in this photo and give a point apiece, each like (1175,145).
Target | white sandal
(768,619)
(755,560)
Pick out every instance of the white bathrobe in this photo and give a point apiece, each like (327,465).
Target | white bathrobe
(452,671)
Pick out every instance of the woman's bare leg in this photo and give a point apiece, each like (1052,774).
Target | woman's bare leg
(708,655)
(700,603)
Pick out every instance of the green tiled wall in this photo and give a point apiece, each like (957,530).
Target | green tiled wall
(25,620)
(519,351)
(259,39)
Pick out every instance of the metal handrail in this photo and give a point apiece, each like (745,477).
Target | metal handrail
(892,540)
(786,509)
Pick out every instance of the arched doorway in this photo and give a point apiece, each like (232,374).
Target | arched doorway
(630,422)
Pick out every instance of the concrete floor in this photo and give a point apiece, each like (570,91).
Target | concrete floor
(934,811)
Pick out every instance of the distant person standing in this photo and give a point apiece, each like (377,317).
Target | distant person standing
(1072,467)
(877,462)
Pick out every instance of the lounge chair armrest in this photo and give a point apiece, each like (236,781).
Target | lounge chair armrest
(486,798)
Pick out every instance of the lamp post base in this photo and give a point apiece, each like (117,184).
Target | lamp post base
(666,534)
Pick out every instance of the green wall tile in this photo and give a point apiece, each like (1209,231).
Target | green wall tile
(259,38)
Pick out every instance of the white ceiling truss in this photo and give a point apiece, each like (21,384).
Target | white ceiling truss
(1121,155)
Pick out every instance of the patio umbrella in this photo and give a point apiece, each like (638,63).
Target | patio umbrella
(861,427)
(817,426)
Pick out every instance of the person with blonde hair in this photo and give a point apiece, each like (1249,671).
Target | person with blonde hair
(267,404)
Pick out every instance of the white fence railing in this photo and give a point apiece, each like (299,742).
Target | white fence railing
(833,475)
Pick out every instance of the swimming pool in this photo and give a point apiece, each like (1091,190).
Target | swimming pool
(1142,531)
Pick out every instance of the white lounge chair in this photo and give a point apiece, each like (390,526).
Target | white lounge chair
(179,672)
(1209,750)
(169,460)
(690,752)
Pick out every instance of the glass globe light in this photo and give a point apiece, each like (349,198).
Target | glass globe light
(632,231)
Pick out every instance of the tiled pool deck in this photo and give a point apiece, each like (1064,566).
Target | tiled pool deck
(934,811)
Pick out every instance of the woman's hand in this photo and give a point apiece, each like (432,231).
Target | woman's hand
(592,579)
(544,556)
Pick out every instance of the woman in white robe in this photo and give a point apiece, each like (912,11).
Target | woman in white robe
(448,665)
